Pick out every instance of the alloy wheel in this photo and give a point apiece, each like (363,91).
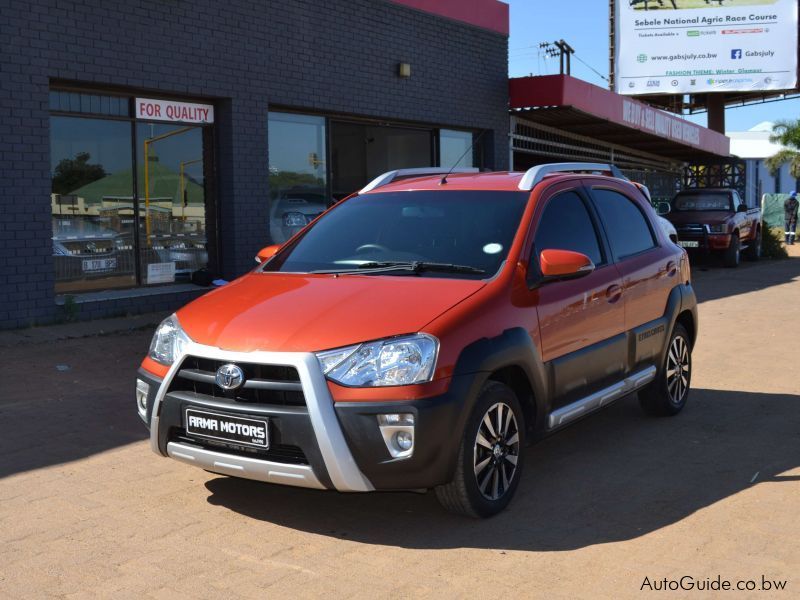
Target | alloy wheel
(496,451)
(678,370)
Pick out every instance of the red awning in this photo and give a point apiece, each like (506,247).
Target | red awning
(579,107)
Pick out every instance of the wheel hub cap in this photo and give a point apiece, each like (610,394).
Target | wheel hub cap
(496,451)
(678,370)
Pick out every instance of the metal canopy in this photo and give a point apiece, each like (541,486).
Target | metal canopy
(573,120)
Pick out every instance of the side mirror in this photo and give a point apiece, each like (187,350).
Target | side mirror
(564,264)
(664,208)
(267,253)
(741,208)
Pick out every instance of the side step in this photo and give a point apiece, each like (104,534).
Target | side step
(567,414)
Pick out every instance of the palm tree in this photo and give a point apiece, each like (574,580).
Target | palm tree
(787,134)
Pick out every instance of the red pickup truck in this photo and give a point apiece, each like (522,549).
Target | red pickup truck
(716,220)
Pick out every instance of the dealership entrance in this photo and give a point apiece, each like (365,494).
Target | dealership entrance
(362,151)
(316,160)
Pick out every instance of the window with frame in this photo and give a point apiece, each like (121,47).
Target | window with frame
(128,197)
(625,224)
(566,224)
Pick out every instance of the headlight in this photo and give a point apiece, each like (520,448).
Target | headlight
(719,228)
(394,361)
(168,341)
(294,219)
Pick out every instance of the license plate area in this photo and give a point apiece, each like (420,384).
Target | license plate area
(689,244)
(99,264)
(231,429)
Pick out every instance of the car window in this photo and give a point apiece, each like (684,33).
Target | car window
(626,226)
(469,228)
(702,201)
(566,225)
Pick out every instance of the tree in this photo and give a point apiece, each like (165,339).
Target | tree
(787,134)
(73,173)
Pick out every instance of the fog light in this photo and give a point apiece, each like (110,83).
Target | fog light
(403,440)
(398,433)
(142,391)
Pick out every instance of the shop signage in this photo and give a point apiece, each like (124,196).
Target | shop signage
(691,46)
(160,273)
(170,110)
(660,123)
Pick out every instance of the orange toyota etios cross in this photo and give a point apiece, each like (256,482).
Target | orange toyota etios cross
(419,333)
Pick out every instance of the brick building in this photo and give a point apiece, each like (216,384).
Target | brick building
(145,141)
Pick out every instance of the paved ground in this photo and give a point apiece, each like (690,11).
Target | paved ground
(86,510)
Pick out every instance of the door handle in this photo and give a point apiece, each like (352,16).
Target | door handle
(613,293)
(670,270)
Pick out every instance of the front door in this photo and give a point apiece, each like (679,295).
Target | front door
(581,321)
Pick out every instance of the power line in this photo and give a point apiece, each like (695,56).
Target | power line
(598,73)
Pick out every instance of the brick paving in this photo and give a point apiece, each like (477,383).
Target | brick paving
(87,511)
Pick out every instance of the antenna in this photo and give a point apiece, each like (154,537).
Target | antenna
(467,151)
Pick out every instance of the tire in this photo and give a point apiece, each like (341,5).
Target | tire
(489,461)
(667,395)
(753,251)
(733,254)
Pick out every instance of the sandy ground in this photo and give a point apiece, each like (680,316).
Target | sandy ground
(86,510)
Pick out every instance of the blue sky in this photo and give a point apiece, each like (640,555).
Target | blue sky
(584,25)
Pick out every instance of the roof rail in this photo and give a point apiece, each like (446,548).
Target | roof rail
(390,176)
(535,174)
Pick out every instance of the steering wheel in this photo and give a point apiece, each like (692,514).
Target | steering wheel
(368,247)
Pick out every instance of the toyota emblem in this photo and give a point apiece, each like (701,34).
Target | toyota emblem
(229,377)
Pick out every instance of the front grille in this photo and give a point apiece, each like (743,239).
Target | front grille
(691,230)
(276,385)
(280,453)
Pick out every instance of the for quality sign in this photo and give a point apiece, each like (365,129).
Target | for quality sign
(692,46)
(170,110)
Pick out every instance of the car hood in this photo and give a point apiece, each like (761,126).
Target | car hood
(710,217)
(301,313)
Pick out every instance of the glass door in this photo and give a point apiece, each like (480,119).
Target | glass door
(360,152)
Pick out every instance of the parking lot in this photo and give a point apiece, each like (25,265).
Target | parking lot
(87,510)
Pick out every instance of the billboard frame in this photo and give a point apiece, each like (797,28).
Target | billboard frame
(711,102)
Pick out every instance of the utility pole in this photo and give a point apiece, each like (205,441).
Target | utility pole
(564,52)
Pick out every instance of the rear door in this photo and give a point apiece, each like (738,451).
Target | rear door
(581,321)
(647,264)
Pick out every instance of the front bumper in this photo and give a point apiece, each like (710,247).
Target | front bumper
(704,239)
(323,444)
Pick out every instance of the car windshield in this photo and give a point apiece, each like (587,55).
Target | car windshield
(708,201)
(464,234)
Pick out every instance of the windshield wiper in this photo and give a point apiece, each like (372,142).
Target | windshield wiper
(415,267)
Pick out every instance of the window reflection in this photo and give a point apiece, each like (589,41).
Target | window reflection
(91,176)
(297,173)
(455,148)
(171,194)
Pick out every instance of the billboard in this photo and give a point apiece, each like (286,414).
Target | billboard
(695,46)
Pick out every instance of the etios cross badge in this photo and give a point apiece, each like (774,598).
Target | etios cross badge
(229,377)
